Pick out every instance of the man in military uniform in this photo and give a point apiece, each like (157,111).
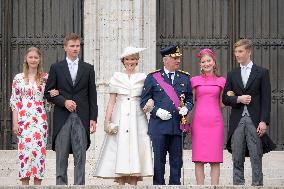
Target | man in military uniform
(164,87)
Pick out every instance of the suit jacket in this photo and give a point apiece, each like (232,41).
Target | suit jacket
(83,92)
(154,91)
(258,86)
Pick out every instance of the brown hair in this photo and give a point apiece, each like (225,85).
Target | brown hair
(71,36)
(38,77)
(247,43)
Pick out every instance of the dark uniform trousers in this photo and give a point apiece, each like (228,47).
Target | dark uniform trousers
(72,136)
(161,145)
(245,136)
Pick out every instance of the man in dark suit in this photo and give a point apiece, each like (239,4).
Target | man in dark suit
(75,113)
(248,92)
(165,86)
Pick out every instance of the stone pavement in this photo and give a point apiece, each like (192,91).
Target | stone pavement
(273,170)
(140,187)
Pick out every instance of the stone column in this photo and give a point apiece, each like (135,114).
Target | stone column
(109,26)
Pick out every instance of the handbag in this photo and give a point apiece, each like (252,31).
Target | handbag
(113,128)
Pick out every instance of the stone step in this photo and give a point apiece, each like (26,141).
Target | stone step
(271,160)
(113,186)
(146,181)
(50,172)
(273,169)
(47,182)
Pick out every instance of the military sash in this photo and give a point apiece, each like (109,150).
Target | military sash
(169,90)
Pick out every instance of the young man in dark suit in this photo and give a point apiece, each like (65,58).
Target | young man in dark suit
(248,92)
(75,113)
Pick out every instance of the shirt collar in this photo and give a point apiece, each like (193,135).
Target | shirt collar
(249,65)
(167,71)
(69,61)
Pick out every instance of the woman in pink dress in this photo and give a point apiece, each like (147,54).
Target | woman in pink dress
(207,126)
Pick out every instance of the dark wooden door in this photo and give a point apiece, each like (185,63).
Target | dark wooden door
(195,24)
(40,23)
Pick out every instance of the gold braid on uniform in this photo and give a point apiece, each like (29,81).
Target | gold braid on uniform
(155,71)
(184,72)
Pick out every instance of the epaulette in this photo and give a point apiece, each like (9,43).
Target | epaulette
(184,72)
(155,71)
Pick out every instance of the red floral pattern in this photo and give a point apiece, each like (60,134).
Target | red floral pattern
(30,103)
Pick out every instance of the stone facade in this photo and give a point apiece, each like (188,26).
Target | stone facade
(109,26)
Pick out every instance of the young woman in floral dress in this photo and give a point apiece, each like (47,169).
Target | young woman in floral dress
(29,117)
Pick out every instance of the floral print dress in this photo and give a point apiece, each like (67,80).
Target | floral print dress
(29,101)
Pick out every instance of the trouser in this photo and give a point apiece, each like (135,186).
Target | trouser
(161,145)
(245,136)
(72,136)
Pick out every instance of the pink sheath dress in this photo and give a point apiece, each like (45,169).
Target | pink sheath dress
(207,126)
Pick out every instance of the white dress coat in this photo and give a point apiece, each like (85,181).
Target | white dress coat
(129,151)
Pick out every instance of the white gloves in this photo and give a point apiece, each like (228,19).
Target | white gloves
(183,111)
(166,115)
(163,114)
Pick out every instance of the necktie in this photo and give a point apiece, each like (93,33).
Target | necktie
(170,77)
(73,71)
(244,75)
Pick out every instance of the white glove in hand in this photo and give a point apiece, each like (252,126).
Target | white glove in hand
(163,114)
(183,111)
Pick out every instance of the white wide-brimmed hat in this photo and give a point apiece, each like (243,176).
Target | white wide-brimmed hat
(130,51)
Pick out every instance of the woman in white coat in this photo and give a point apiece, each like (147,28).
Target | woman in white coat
(126,154)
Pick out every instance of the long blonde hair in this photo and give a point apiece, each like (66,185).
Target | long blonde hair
(38,77)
